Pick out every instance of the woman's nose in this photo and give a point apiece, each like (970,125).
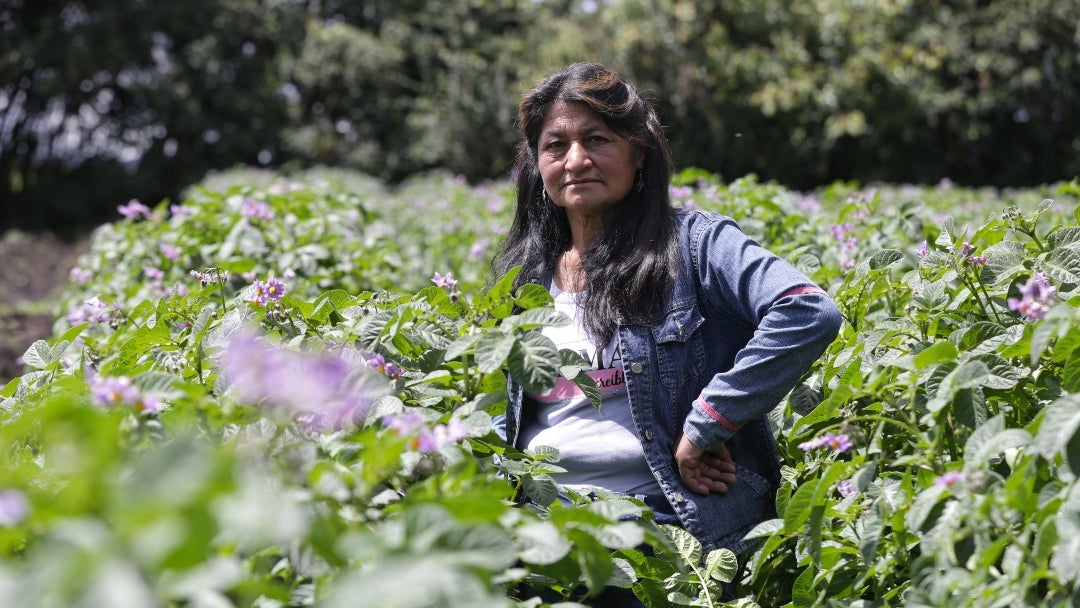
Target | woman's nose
(577,156)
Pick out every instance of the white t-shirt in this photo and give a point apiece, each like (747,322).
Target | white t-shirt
(598,448)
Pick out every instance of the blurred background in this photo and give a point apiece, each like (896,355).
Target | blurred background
(102,101)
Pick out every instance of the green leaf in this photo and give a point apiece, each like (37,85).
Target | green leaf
(765,529)
(940,352)
(532,295)
(722,565)
(991,439)
(500,290)
(492,350)
(968,375)
(921,508)
(39,355)
(688,547)
(541,543)
(585,382)
(1065,236)
(1066,559)
(540,317)
(462,345)
(1002,375)
(540,488)
(802,591)
(1062,265)
(1005,261)
(534,363)
(1059,425)
(593,559)
(1070,375)
(885,258)
(872,526)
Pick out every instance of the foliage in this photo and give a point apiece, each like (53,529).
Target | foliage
(281,392)
(801,93)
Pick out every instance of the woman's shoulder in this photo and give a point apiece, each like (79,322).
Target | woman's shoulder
(692,221)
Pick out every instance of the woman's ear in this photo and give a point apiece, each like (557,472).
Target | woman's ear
(639,158)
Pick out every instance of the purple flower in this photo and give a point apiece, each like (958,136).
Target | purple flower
(80,276)
(949,479)
(446,281)
(253,209)
(180,210)
(1036,297)
(133,209)
(405,423)
(966,249)
(837,442)
(93,310)
(808,203)
(426,439)
(924,250)
(846,488)
(210,275)
(388,368)
(13,508)
(679,193)
(321,390)
(171,252)
(979,260)
(478,248)
(107,391)
(270,291)
(840,231)
(155,274)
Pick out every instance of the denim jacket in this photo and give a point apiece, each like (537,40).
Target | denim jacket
(741,329)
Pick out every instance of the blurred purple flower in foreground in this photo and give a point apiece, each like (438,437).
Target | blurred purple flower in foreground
(427,439)
(321,391)
(949,479)
(1036,297)
(13,508)
(108,391)
(838,442)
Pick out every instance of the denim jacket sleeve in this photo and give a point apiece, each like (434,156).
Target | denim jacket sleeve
(792,322)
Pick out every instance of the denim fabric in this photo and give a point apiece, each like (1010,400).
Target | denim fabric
(732,343)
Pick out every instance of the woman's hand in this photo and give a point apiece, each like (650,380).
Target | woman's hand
(703,471)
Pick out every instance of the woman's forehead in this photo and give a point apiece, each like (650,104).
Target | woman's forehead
(564,117)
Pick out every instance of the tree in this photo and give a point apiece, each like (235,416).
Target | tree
(108,100)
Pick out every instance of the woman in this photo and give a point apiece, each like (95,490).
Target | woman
(696,332)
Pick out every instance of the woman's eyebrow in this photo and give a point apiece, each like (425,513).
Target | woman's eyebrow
(561,132)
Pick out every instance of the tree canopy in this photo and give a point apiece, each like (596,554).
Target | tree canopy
(105,101)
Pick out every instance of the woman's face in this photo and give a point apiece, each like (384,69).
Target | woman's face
(586,167)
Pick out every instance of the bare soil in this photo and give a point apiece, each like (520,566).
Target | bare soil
(33,271)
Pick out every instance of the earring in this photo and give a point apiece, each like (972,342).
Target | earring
(639,181)
(544,196)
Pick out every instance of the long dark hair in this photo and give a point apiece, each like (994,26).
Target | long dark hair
(630,271)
